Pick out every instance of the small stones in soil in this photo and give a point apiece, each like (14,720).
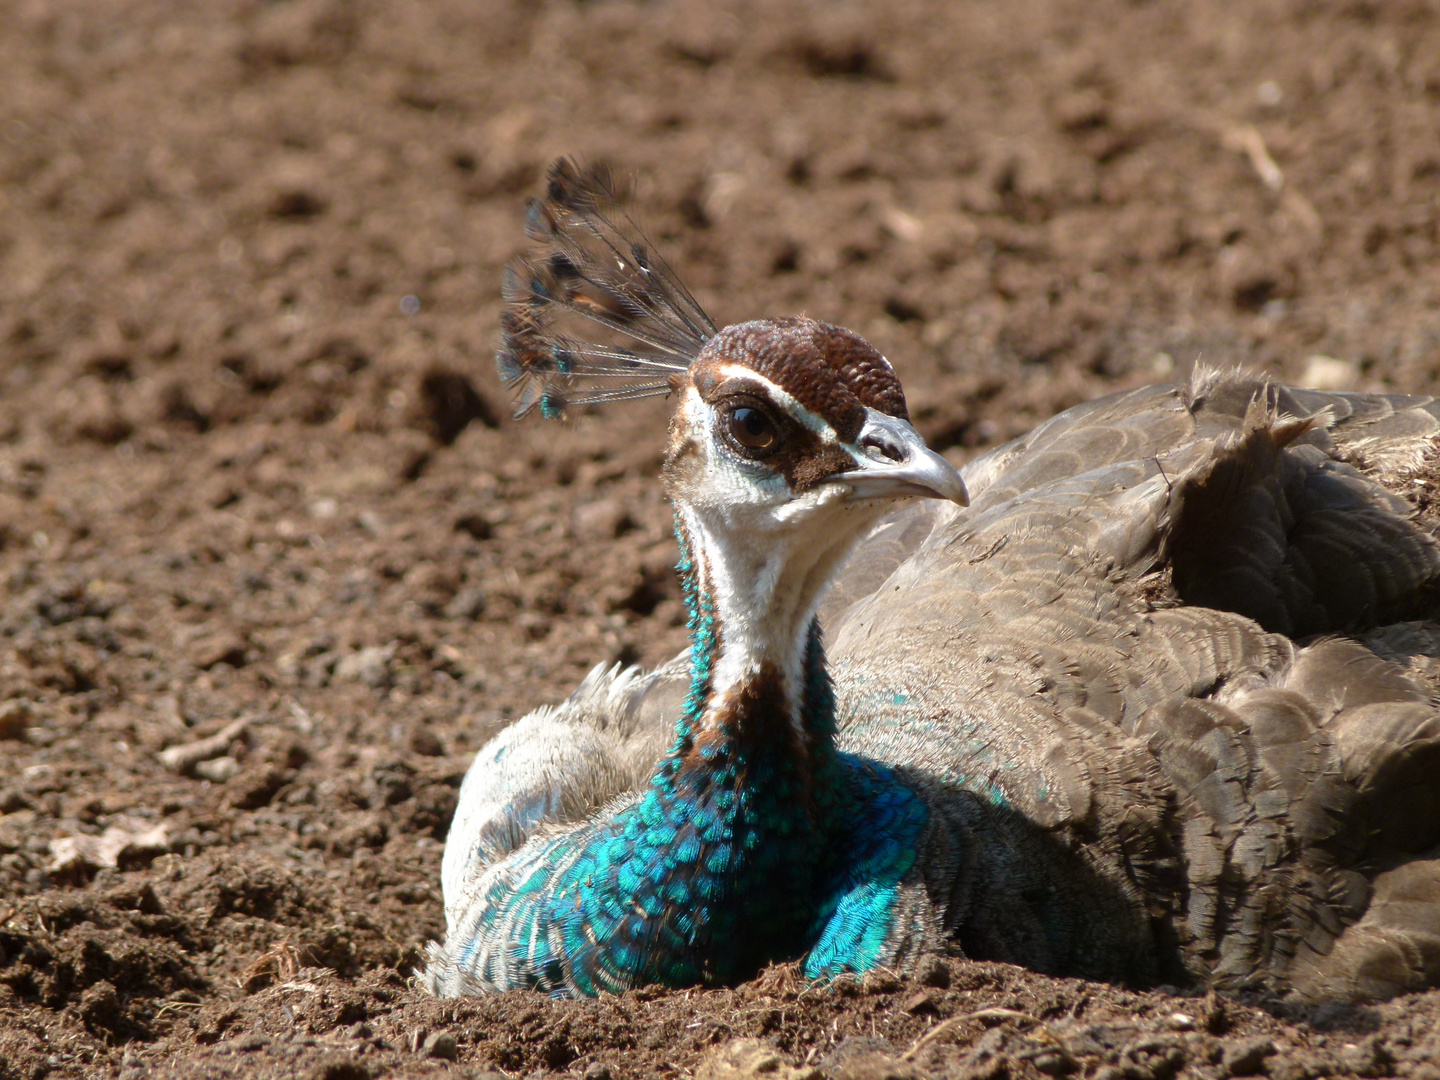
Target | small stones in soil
(468,603)
(221,648)
(441,1044)
(257,786)
(861,1057)
(1369,1058)
(604,519)
(340,1068)
(1247,1058)
(217,770)
(922,1001)
(1159,1056)
(741,1059)
(1180,1021)
(1053,1061)
(182,759)
(933,971)
(15,716)
(125,838)
(370,666)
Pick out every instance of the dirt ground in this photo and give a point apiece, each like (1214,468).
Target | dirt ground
(274,561)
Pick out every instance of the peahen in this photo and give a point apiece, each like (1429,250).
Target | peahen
(1158,704)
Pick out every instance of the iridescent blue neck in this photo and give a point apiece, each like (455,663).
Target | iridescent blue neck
(727,853)
(704,636)
(762,713)
(753,841)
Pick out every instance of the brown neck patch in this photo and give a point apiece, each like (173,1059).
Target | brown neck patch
(832,372)
(749,725)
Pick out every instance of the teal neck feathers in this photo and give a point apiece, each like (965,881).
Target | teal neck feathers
(718,866)
(760,715)
(741,852)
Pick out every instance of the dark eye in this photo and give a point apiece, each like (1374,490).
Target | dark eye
(752,430)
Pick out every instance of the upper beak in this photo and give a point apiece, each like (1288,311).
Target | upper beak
(893,462)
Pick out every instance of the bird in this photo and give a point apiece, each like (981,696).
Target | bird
(1149,695)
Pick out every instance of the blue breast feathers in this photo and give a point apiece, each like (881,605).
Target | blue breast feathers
(702,886)
(857,917)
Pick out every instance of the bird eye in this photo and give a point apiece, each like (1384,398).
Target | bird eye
(752,431)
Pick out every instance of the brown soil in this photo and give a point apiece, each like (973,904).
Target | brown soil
(254,464)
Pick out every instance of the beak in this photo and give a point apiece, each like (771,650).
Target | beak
(893,462)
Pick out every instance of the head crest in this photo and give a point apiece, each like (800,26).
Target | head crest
(637,325)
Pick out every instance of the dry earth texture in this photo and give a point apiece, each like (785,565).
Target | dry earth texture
(274,562)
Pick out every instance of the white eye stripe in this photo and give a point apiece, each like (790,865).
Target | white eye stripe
(808,419)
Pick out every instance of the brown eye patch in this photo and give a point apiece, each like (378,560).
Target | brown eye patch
(754,428)
(749,424)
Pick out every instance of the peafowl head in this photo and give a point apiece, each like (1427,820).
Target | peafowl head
(789,439)
(787,431)
(793,416)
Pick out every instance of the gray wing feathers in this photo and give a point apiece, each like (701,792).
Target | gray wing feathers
(1296,540)
(1393,949)
(1102,646)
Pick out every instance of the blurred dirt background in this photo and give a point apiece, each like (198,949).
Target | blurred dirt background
(274,561)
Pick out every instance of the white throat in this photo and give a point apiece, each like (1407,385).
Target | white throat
(765,570)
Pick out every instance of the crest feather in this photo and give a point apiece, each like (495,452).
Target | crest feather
(635,325)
